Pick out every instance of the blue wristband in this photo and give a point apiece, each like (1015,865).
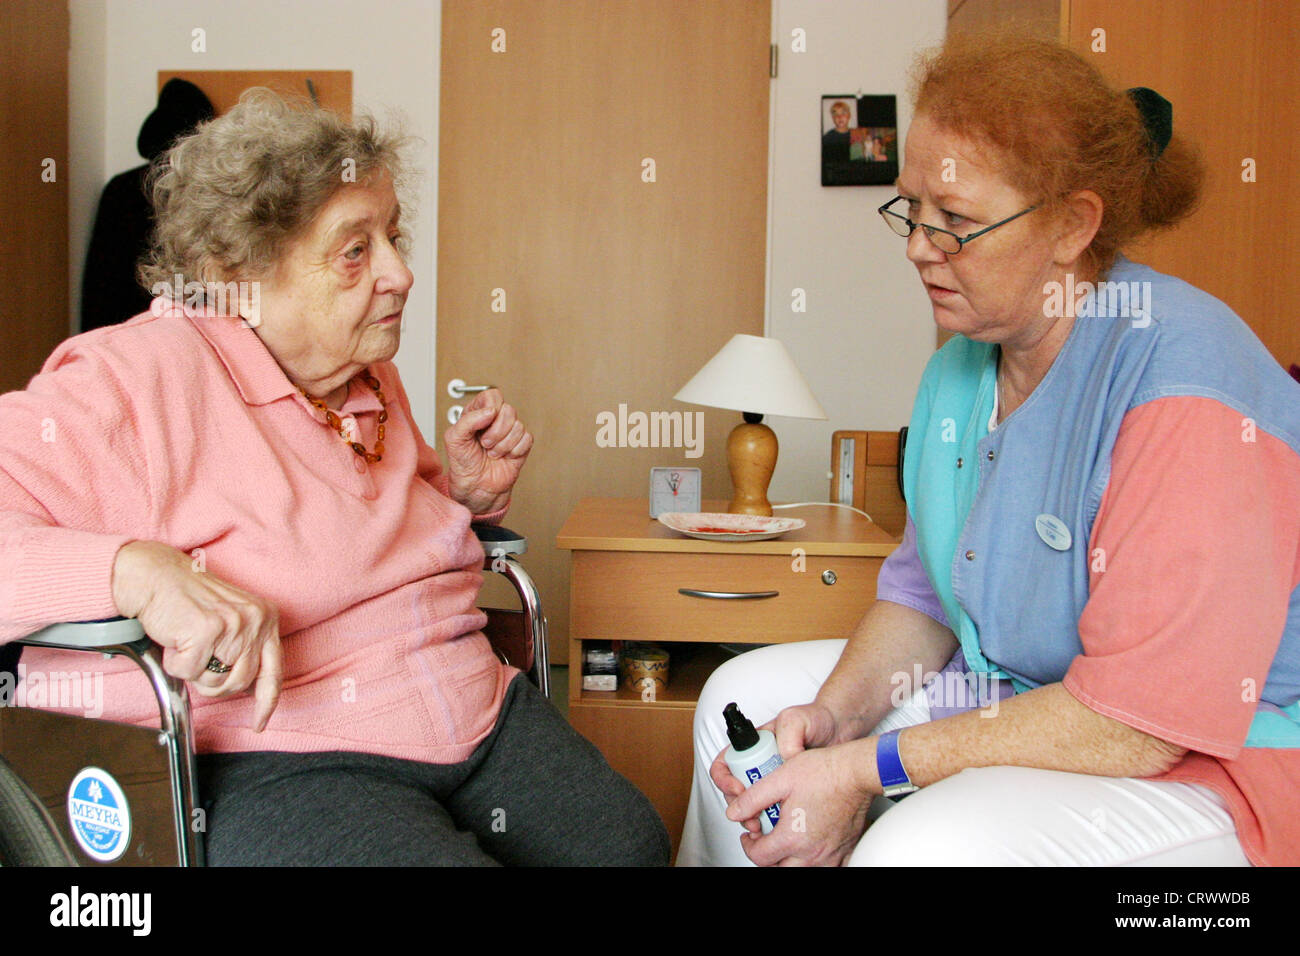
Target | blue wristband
(893,778)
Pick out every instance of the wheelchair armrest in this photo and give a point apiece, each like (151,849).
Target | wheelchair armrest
(87,635)
(112,637)
(495,538)
(500,545)
(126,637)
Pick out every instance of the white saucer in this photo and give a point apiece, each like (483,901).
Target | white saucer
(720,526)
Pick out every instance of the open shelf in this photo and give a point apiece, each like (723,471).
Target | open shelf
(690,665)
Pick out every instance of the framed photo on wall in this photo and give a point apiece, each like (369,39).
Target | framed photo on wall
(859,140)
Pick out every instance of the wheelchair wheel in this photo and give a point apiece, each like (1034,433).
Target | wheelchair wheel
(27,834)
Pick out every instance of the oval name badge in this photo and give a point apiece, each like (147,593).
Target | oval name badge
(1053,532)
(99,814)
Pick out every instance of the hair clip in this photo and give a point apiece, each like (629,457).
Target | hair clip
(1157,117)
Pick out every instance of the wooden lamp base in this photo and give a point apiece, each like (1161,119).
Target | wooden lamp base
(751,457)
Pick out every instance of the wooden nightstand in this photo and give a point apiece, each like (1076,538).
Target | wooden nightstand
(627,572)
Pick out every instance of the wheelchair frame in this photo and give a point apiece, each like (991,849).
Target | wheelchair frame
(122,636)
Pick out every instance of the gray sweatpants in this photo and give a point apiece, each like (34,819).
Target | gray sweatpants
(535,792)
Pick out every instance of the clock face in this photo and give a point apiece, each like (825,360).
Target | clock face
(674,489)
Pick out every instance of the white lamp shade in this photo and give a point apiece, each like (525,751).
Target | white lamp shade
(753,374)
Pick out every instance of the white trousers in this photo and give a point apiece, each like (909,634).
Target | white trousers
(990,816)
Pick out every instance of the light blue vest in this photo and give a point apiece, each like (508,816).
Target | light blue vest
(1013,601)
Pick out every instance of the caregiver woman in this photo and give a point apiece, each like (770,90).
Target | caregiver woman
(1102,534)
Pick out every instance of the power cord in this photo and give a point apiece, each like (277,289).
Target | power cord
(827,504)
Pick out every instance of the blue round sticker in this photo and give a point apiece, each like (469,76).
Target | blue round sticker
(99,814)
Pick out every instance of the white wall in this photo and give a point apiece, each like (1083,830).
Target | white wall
(87,104)
(868,330)
(392,49)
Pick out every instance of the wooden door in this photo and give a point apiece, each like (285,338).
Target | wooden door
(601,230)
(34,200)
(1229,68)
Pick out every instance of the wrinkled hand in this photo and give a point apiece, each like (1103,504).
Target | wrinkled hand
(803,728)
(798,729)
(486,449)
(823,809)
(195,616)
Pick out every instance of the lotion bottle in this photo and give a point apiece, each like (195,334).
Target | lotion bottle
(753,754)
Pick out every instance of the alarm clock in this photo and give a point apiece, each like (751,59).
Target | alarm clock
(674,489)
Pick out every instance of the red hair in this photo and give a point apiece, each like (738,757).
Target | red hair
(1053,125)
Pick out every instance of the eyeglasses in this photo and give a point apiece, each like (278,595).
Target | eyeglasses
(944,240)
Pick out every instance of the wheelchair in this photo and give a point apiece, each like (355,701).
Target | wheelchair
(121,795)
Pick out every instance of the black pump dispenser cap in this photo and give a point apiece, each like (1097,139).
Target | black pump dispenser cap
(740,731)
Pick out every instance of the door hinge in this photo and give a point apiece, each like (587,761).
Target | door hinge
(771,62)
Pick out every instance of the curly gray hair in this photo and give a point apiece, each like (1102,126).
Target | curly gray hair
(229,197)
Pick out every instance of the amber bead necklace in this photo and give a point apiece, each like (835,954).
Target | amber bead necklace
(337,424)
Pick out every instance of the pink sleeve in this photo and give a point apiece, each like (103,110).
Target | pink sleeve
(73,485)
(1193,559)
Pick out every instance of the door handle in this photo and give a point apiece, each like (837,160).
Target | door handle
(457,388)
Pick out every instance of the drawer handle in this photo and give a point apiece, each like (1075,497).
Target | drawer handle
(728,595)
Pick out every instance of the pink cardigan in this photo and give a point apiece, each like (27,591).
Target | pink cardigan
(180,427)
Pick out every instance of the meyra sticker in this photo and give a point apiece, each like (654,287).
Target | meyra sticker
(99,814)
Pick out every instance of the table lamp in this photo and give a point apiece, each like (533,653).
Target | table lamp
(756,376)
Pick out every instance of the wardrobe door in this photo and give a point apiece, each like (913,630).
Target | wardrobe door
(1229,68)
(34,198)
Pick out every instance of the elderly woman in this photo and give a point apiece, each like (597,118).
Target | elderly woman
(250,483)
(1097,586)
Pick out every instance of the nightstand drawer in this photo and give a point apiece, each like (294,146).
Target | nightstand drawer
(636,596)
